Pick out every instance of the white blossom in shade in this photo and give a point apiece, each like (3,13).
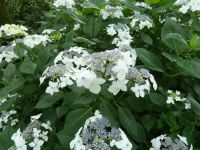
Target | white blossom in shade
(65,80)
(175,96)
(8,117)
(52,88)
(122,32)
(117,86)
(140,21)
(138,90)
(89,80)
(156,143)
(167,142)
(34,40)
(20,143)
(36,144)
(121,70)
(104,135)
(142,4)
(77,27)
(12,30)
(170,100)
(123,144)
(33,136)
(48,31)
(77,143)
(110,30)
(65,3)
(36,117)
(7,53)
(113,12)
(188,5)
(153,81)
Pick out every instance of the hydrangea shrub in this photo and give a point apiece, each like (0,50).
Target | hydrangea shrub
(103,75)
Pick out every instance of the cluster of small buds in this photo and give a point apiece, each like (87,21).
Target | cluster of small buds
(34,40)
(164,142)
(33,136)
(176,97)
(142,4)
(98,134)
(113,12)
(66,3)
(123,34)
(140,21)
(12,30)
(188,5)
(8,117)
(7,53)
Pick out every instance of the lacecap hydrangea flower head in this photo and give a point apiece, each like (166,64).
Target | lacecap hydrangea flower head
(164,142)
(98,134)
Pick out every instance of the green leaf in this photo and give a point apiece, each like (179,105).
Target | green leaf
(7,104)
(5,138)
(14,85)
(9,71)
(108,110)
(128,121)
(48,100)
(148,121)
(171,26)
(92,26)
(20,50)
(176,42)
(69,39)
(28,67)
(150,60)
(146,38)
(74,120)
(195,105)
(191,66)
(157,99)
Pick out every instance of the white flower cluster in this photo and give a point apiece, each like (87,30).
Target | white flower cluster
(33,136)
(188,5)
(6,117)
(96,135)
(123,34)
(176,97)
(65,3)
(140,21)
(10,30)
(34,40)
(7,54)
(92,70)
(113,12)
(165,142)
(142,4)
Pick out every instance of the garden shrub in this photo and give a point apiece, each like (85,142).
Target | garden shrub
(102,74)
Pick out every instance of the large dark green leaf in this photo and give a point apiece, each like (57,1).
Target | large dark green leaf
(191,66)
(48,100)
(128,121)
(28,67)
(14,85)
(175,42)
(74,120)
(195,105)
(150,60)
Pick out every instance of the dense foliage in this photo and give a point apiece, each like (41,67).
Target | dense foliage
(102,74)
